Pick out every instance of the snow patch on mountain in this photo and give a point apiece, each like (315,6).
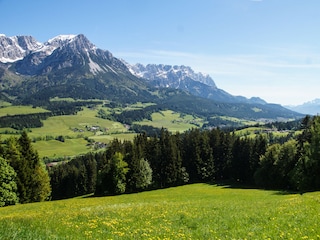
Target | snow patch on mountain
(17,47)
(94,67)
(61,38)
(169,74)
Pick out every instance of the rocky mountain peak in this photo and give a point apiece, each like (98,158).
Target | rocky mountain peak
(60,40)
(168,75)
(17,47)
(77,42)
(30,57)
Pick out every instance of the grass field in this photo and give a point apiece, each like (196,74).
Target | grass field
(57,149)
(197,211)
(173,121)
(15,110)
(4,104)
(65,125)
(76,127)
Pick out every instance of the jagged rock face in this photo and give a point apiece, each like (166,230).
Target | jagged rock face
(61,52)
(17,47)
(184,78)
(170,76)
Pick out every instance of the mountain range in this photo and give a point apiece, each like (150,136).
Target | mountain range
(184,78)
(71,66)
(311,107)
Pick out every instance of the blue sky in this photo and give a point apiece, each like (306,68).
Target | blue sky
(264,48)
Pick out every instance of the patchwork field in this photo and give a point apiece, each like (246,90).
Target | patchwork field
(197,211)
(86,125)
(77,130)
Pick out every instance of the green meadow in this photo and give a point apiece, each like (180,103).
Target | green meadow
(197,211)
(57,149)
(173,121)
(76,128)
(4,104)
(16,110)
(66,125)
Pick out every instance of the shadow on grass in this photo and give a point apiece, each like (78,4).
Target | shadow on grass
(239,185)
(228,184)
(234,184)
(287,192)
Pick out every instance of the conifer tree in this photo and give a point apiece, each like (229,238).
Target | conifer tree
(207,161)
(153,156)
(32,178)
(191,154)
(307,169)
(170,160)
(13,155)
(8,186)
(91,171)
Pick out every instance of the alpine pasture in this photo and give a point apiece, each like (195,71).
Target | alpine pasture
(197,211)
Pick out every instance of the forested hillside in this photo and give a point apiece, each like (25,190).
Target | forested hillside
(164,161)
(196,156)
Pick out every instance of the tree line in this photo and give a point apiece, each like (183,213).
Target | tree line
(173,159)
(197,156)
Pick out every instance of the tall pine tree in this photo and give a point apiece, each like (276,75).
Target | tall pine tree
(32,178)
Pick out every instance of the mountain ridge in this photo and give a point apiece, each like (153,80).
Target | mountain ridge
(71,66)
(184,78)
(158,75)
(311,107)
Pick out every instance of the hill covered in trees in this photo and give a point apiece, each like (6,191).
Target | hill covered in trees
(200,156)
(164,161)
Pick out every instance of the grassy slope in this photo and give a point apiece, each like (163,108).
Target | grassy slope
(197,211)
(54,148)
(65,125)
(173,121)
(15,110)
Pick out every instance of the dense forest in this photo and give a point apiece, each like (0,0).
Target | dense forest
(165,160)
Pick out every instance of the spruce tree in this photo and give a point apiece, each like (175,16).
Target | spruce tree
(15,159)
(170,160)
(207,168)
(8,186)
(32,178)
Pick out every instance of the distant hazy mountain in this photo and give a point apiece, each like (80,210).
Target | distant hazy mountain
(71,66)
(311,107)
